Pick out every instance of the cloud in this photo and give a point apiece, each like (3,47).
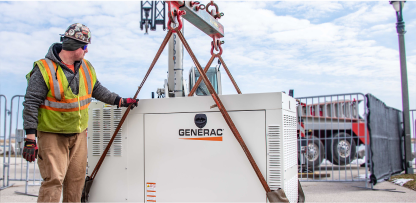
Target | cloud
(367,14)
(309,9)
(314,47)
(315,9)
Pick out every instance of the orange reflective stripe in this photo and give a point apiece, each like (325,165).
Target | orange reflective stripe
(68,100)
(89,73)
(61,89)
(64,110)
(87,76)
(85,80)
(50,77)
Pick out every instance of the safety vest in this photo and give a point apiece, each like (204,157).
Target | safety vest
(63,111)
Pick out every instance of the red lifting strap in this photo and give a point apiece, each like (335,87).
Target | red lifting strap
(212,92)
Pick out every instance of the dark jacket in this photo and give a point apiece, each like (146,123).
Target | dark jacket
(37,90)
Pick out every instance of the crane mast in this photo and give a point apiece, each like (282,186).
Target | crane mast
(153,13)
(175,73)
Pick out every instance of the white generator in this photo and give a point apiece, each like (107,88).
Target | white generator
(181,149)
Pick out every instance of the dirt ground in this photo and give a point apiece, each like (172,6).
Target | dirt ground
(411,184)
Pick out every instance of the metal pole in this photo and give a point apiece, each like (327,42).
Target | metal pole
(10,135)
(405,92)
(27,176)
(4,142)
(414,132)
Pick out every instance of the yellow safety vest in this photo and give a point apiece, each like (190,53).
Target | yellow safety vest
(63,111)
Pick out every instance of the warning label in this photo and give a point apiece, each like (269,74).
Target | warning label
(150,192)
(150,186)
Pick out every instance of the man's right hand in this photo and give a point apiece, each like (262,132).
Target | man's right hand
(30,151)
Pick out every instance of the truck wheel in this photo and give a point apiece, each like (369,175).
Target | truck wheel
(315,153)
(342,149)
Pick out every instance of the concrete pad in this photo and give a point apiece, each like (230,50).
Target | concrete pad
(314,191)
(346,192)
(9,195)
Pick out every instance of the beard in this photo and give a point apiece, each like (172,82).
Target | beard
(79,56)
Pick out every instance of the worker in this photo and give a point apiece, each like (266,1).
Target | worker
(56,103)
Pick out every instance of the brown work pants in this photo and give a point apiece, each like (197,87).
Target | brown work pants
(62,162)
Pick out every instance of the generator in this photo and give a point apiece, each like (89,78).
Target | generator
(181,149)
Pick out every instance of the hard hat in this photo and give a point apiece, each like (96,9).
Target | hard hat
(78,32)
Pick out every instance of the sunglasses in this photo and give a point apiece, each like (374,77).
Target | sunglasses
(84,47)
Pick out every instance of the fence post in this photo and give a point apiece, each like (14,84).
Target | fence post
(10,132)
(413,121)
(4,139)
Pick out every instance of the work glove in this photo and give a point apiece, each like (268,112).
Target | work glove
(125,102)
(30,151)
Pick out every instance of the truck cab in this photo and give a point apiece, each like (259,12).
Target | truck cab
(214,76)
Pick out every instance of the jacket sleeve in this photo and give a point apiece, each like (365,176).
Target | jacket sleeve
(101,93)
(36,92)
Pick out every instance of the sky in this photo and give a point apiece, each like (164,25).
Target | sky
(315,48)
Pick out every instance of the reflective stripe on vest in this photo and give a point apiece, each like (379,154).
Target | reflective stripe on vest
(56,87)
(67,105)
(88,76)
(59,103)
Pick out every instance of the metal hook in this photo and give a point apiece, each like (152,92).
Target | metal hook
(178,17)
(217,46)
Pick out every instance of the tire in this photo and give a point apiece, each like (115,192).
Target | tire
(342,149)
(315,153)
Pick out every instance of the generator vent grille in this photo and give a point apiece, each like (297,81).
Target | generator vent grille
(105,121)
(289,121)
(291,189)
(290,146)
(289,140)
(274,157)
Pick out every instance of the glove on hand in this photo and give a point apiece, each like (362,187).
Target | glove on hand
(30,151)
(125,102)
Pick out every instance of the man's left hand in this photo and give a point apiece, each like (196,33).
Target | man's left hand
(30,151)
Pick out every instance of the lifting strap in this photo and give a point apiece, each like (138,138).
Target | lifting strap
(159,52)
(203,77)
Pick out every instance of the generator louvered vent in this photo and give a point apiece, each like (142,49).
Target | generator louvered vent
(105,121)
(107,128)
(117,144)
(96,132)
(274,157)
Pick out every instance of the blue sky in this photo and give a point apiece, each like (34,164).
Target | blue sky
(315,48)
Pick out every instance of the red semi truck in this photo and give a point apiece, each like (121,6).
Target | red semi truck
(330,130)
